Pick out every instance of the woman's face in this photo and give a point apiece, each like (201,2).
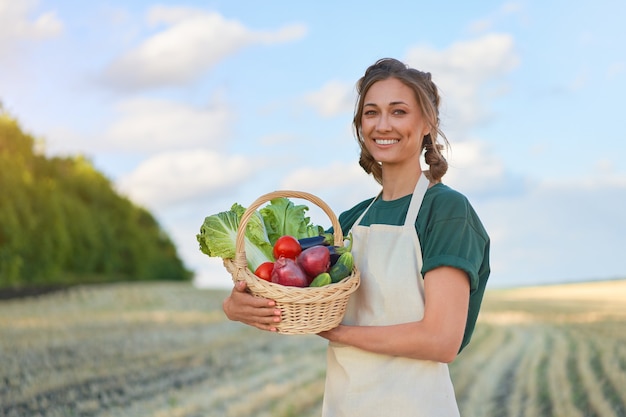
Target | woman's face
(392,125)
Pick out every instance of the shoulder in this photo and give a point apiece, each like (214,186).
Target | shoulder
(446,207)
(443,200)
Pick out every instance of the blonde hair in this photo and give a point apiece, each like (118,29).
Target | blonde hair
(428,99)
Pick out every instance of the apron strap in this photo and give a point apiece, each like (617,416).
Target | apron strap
(416,200)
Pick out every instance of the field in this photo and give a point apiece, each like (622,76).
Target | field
(166,350)
(547,351)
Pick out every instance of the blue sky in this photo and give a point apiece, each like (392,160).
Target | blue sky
(191,106)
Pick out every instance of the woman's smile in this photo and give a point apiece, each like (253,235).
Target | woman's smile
(386,141)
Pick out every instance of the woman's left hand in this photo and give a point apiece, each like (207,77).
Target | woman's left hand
(331,335)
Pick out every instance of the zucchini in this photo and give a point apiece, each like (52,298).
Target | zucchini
(342,268)
(321,280)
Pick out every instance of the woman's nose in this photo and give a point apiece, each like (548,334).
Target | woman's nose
(383,123)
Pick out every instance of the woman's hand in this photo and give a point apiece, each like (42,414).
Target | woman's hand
(332,335)
(248,309)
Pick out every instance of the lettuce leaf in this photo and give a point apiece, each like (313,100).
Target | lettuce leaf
(282,217)
(218,234)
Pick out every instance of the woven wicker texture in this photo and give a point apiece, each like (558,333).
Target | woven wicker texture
(307,310)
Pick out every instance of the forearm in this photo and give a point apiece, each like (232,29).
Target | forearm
(437,336)
(412,340)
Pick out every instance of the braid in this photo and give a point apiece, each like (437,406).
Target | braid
(371,166)
(433,156)
(435,159)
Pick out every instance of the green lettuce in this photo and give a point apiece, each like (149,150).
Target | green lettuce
(218,235)
(282,217)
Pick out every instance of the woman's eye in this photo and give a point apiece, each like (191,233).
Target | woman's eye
(399,111)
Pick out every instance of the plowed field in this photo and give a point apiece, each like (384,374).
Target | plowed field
(166,350)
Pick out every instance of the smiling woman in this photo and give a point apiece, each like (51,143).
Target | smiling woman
(423,255)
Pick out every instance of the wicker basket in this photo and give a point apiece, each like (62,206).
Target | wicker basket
(307,310)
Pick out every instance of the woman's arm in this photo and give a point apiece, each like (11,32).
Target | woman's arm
(242,306)
(436,337)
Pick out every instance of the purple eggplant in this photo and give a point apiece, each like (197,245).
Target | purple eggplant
(322,240)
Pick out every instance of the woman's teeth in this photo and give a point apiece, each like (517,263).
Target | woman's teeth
(386,141)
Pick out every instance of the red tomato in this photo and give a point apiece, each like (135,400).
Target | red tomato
(287,246)
(264,271)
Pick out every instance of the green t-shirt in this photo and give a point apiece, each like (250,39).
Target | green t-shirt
(450,234)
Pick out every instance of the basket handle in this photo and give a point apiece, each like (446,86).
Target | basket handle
(240,253)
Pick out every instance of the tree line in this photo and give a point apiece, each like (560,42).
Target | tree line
(62,222)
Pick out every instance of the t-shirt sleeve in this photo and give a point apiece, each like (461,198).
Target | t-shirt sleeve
(454,237)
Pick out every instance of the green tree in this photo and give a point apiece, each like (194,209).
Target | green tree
(62,222)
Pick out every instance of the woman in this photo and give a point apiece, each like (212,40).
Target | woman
(423,255)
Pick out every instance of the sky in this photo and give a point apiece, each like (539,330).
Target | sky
(191,106)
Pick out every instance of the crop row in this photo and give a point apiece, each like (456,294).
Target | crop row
(149,350)
(552,363)
(166,350)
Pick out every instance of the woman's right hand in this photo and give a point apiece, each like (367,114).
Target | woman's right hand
(242,306)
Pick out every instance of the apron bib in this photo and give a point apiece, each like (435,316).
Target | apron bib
(361,383)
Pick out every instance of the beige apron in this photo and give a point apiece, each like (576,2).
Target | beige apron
(360,383)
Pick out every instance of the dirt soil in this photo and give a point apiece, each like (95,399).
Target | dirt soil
(146,349)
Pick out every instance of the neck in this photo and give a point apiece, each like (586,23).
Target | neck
(398,184)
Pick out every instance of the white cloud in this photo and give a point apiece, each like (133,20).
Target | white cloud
(16,22)
(176,177)
(192,42)
(332,99)
(604,166)
(475,170)
(319,178)
(579,81)
(62,140)
(464,73)
(615,70)
(152,125)
(278,138)
(20,23)
(487,23)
